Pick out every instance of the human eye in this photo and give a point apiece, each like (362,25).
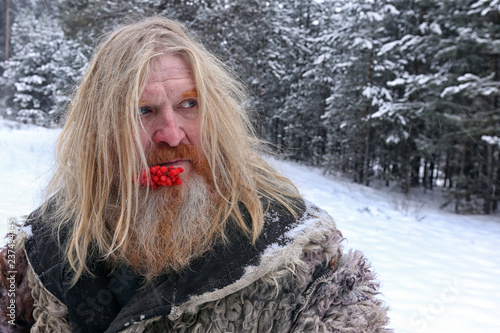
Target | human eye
(189,104)
(144,110)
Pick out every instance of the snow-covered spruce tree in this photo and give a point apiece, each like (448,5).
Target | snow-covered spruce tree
(358,87)
(411,117)
(309,87)
(86,21)
(258,40)
(474,95)
(445,98)
(42,70)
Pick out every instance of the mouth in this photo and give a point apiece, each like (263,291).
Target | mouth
(174,163)
(161,175)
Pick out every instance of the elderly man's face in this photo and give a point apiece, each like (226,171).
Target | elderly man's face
(169,110)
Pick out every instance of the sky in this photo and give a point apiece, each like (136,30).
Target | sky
(439,272)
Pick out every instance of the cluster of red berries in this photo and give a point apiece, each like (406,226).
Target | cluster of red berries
(161,176)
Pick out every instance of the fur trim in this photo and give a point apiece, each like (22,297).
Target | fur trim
(14,289)
(38,309)
(316,228)
(344,301)
(299,286)
(347,302)
(140,327)
(50,314)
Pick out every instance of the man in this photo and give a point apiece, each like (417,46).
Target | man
(162,216)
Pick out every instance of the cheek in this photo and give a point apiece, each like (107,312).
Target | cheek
(193,134)
(145,140)
(145,137)
(195,142)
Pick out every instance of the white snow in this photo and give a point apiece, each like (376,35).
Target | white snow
(396,82)
(25,164)
(492,140)
(440,272)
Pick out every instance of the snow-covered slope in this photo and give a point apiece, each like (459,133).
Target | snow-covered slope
(440,272)
(27,153)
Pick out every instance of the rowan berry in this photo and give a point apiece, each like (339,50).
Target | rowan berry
(161,176)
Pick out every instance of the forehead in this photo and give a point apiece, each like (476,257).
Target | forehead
(169,67)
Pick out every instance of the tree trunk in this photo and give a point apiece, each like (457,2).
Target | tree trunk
(366,162)
(425,176)
(447,173)
(431,176)
(460,186)
(488,200)
(7,29)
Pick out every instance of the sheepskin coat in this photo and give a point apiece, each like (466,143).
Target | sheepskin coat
(296,278)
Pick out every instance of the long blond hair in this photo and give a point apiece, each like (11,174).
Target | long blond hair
(99,151)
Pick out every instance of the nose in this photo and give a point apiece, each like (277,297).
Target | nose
(168,128)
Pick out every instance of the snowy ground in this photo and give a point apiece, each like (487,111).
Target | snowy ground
(440,272)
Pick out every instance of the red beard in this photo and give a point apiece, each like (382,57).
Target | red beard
(173,225)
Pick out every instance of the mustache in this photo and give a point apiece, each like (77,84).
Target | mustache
(166,154)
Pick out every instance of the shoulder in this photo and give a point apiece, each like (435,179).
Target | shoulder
(43,247)
(290,237)
(335,289)
(282,246)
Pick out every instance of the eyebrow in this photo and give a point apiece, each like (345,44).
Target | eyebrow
(190,93)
